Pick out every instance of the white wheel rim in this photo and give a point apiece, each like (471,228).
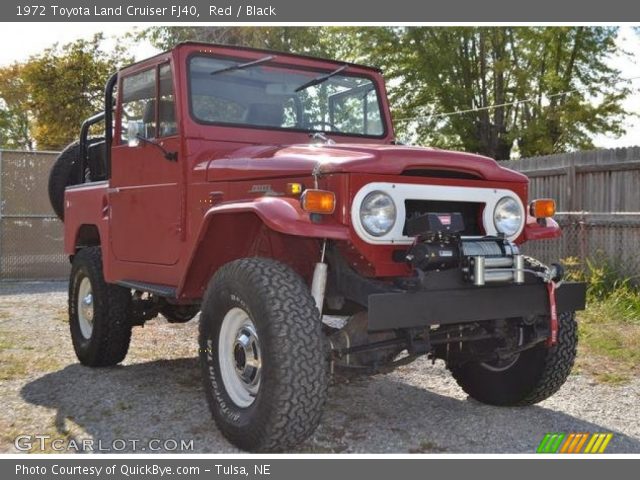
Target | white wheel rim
(239,357)
(85,308)
(507,363)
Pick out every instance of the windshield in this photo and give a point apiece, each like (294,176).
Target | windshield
(262,95)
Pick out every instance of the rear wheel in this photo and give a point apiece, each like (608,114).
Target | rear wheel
(525,378)
(261,350)
(99,312)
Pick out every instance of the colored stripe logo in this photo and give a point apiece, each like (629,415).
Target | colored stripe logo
(574,443)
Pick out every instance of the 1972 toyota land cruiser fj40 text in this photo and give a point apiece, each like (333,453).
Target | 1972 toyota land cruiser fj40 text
(265,189)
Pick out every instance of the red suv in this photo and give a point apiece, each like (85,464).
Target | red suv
(267,191)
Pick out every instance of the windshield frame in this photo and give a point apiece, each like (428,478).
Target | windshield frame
(291,66)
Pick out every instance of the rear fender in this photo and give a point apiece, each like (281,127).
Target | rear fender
(86,216)
(269,227)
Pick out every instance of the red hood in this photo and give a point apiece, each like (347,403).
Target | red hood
(263,162)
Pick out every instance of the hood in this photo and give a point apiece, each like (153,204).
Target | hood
(262,162)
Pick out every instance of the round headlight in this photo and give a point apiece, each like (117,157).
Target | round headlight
(378,213)
(508,216)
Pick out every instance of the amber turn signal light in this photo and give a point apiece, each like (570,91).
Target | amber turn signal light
(294,188)
(318,201)
(543,208)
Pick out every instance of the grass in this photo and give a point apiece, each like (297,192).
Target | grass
(19,359)
(609,329)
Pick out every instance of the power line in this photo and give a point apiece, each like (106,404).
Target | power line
(500,105)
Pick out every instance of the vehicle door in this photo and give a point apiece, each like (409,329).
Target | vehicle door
(144,192)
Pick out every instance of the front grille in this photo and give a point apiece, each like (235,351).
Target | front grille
(471,212)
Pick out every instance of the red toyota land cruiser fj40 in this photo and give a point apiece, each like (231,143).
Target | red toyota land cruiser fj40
(265,190)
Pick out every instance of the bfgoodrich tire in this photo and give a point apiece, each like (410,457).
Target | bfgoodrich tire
(99,312)
(537,373)
(262,355)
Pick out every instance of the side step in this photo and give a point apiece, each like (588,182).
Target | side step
(165,291)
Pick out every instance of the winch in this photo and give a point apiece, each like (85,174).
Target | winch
(439,246)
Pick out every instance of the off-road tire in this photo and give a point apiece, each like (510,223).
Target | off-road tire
(289,402)
(64,173)
(535,376)
(179,313)
(111,334)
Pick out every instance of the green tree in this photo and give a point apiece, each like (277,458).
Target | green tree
(570,92)
(14,110)
(491,90)
(66,85)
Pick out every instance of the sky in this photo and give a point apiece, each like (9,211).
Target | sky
(49,33)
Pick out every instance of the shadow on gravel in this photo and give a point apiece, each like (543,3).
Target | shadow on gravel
(163,400)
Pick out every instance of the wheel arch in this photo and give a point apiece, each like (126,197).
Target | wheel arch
(268,227)
(87,235)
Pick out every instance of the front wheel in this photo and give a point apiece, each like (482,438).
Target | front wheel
(526,378)
(262,356)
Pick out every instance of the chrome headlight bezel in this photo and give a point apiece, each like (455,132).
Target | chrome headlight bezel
(386,216)
(508,216)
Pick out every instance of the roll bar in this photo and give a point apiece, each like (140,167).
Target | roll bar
(107,116)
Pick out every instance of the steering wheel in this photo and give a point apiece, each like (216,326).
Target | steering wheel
(319,123)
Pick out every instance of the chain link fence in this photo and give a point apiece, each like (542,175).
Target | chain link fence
(605,240)
(31,236)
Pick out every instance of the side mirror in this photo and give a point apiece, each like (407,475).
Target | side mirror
(133,130)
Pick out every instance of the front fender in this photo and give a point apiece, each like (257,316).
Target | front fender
(534,231)
(284,215)
(233,230)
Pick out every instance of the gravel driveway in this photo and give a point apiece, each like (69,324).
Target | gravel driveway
(156,394)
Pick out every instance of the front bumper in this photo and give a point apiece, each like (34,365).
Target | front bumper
(464,305)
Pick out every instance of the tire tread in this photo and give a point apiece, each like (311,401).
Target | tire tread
(295,403)
(113,310)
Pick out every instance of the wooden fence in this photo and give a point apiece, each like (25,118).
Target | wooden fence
(598,199)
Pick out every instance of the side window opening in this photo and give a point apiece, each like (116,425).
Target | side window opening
(356,109)
(138,104)
(167,109)
(291,113)
(148,104)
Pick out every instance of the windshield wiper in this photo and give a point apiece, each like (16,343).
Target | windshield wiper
(321,79)
(240,66)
